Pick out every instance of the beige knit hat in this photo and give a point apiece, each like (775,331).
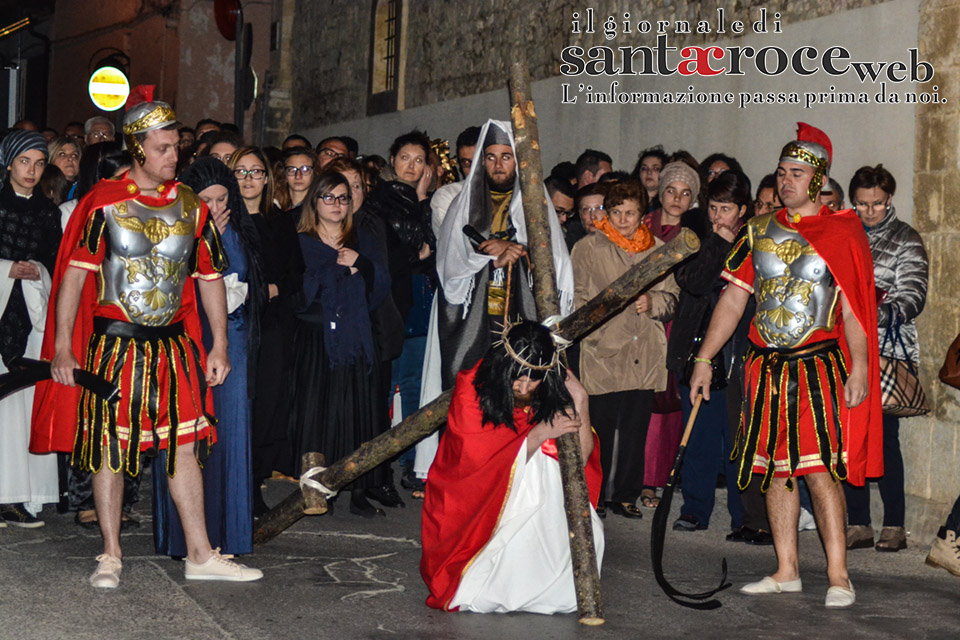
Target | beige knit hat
(679,172)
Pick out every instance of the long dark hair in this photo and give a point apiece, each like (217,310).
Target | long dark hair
(100,161)
(266,197)
(498,371)
(203,173)
(310,218)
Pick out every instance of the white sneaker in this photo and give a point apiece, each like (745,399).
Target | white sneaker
(220,567)
(807,521)
(107,575)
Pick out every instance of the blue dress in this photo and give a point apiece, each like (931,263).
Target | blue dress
(227,479)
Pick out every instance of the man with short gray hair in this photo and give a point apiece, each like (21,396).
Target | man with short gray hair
(98,129)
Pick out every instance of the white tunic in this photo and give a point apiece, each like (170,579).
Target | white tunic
(526,565)
(25,477)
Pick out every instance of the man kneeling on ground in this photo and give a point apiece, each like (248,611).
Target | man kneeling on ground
(494,527)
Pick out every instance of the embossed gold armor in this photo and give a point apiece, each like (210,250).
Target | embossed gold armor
(148,262)
(795,291)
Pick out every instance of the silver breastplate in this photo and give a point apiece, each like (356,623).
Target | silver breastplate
(149,261)
(796,293)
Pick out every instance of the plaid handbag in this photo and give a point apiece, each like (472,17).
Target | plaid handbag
(901,392)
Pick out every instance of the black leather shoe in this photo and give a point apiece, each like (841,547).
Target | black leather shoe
(387,495)
(761,538)
(359,505)
(739,535)
(601,511)
(410,482)
(625,509)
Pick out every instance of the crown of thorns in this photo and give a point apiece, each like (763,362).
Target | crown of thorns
(559,345)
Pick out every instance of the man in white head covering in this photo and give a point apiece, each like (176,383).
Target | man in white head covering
(484,278)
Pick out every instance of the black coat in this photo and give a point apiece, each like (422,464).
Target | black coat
(700,288)
(406,223)
(386,323)
(29,230)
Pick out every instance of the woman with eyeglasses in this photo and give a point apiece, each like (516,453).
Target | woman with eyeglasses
(900,271)
(271,450)
(293,174)
(588,205)
(622,362)
(335,374)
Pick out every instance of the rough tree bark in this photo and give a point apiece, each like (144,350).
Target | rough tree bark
(429,418)
(576,497)
(315,502)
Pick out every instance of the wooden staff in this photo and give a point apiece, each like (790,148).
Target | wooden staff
(429,418)
(576,497)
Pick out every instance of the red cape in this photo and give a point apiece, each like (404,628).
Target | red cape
(467,488)
(840,240)
(54,425)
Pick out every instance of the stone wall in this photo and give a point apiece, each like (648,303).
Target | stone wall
(330,41)
(206,80)
(931,445)
(462,49)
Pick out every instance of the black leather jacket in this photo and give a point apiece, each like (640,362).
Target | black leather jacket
(407,223)
(700,288)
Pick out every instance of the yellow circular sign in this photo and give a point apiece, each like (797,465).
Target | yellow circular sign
(109,88)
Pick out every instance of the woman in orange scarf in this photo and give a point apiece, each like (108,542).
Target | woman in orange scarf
(622,363)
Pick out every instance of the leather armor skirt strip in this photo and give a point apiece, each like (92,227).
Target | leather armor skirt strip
(790,422)
(162,385)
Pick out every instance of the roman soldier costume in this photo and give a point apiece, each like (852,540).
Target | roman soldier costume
(137,324)
(797,364)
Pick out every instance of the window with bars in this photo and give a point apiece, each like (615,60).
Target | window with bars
(384,56)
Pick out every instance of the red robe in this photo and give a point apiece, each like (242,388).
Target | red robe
(468,485)
(840,240)
(54,425)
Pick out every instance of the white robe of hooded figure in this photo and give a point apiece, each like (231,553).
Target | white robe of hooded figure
(458,263)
